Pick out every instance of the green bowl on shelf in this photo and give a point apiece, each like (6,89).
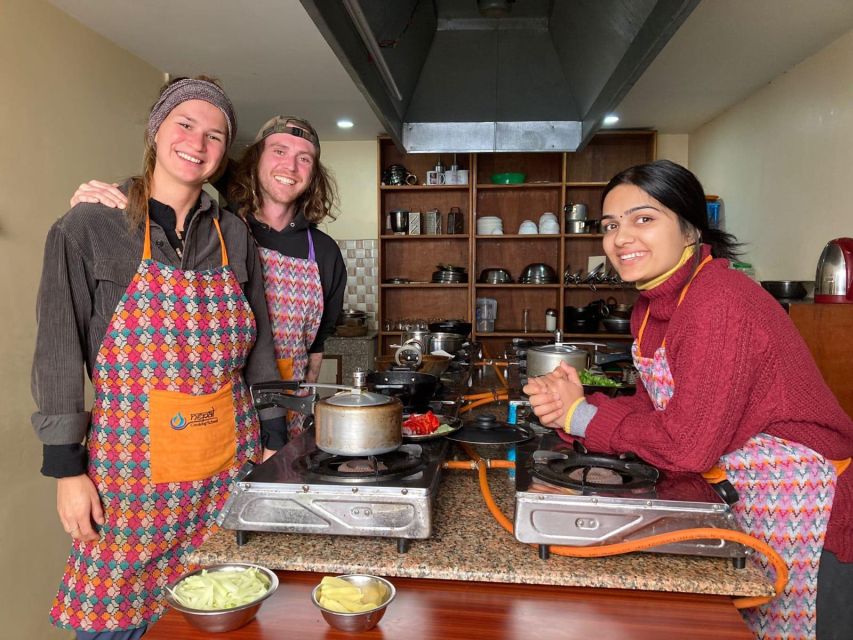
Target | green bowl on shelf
(508,178)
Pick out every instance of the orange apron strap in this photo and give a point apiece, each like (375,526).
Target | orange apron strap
(840,465)
(146,243)
(221,243)
(642,330)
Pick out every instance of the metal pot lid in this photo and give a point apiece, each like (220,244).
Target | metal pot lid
(488,430)
(556,348)
(358,398)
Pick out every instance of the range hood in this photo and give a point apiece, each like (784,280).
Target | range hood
(495,75)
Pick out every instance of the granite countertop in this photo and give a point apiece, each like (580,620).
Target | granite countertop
(468,544)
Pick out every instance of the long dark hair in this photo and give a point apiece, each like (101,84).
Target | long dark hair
(680,191)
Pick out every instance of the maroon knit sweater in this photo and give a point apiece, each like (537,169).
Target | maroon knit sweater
(740,368)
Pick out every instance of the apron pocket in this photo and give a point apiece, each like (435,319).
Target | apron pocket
(192,437)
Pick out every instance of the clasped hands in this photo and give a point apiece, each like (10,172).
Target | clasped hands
(553,394)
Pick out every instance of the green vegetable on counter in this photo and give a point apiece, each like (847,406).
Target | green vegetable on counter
(443,428)
(213,591)
(596,381)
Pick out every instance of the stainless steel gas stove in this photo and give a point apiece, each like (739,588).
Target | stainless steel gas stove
(304,490)
(567,496)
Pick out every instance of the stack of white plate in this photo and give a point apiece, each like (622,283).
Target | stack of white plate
(548,223)
(489,226)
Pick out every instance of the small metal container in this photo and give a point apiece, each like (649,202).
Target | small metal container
(361,621)
(575,211)
(449,342)
(226,619)
(575,226)
(432,222)
(455,222)
(414,223)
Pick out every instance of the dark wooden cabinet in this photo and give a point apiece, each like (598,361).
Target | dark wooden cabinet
(551,181)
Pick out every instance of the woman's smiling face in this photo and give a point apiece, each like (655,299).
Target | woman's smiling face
(642,238)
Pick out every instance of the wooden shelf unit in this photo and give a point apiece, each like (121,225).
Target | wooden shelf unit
(552,181)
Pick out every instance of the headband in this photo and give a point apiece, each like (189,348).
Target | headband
(191,89)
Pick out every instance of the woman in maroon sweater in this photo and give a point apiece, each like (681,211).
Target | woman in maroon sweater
(727,381)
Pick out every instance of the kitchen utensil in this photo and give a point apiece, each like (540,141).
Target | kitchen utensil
(418,336)
(397,175)
(575,211)
(617,325)
(512,177)
(453,422)
(486,429)
(455,221)
(593,226)
(575,226)
(538,273)
(412,388)
(834,276)
(432,364)
(792,289)
(353,422)
(219,621)
(449,342)
(352,318)
(495,275)
(399,221)
(361,621)
(543,359)
(581,325)
(458,327)
(528,227)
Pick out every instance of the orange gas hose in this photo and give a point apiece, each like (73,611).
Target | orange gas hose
(480,403)
(635,545)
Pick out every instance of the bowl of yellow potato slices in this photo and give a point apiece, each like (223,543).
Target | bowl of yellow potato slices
(353,602)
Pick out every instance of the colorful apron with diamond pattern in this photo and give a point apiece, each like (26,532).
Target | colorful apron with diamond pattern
(786,492)
(294,295)
(183,334)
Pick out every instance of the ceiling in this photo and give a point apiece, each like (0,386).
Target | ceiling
(272,59)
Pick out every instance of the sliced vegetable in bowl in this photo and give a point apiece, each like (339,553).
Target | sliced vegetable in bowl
(594,380)
(426,426)
(220,590)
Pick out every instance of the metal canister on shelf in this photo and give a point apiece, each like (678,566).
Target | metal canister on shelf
(550,319)
(455,222)
(414,223)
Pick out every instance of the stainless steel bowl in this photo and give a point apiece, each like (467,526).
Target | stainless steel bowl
(495,275)
(792,289)
(449,342)
(226,619)
(617,325)
(538,273)
(363,620)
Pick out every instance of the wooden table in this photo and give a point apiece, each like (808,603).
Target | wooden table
(450,609)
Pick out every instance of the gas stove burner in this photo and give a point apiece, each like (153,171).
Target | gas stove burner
(400,463)
(592,474)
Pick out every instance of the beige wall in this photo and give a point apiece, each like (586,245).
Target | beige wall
(73,107)
(354,165)
(781,160)
(673,146)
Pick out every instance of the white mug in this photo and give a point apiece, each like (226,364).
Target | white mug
(434,177)
(462,176)
(450,177)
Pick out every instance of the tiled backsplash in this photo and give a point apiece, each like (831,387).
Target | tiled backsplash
(362,260)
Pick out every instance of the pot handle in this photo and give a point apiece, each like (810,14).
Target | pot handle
(279,393)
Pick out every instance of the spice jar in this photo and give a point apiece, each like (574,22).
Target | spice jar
(550,320)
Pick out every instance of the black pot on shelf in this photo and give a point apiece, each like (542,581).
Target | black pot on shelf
(588,324)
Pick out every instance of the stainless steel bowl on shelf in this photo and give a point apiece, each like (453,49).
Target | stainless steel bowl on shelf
(221,620)
(538,273)
(617,325)
(495,275)
(362,620)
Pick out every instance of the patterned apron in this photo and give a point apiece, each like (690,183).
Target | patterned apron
(172,423)
(294,295)
(786,493)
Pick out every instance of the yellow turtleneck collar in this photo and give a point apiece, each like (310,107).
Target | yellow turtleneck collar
(688,252)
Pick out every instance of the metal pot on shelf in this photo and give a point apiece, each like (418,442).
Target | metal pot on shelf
(353,422)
